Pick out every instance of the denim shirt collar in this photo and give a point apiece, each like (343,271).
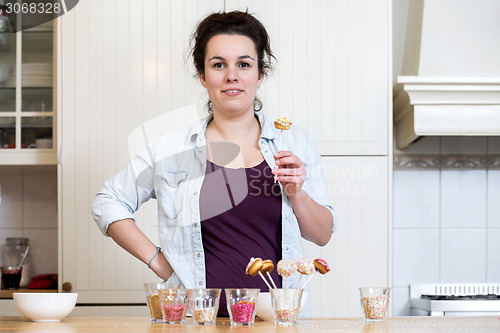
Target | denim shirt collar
(197,131)
(268,131)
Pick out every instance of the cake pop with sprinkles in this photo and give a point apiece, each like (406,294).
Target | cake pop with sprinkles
(286,268)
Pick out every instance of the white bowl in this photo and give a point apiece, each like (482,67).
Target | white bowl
(265,308)
(45,306)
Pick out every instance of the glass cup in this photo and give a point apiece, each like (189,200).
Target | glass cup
(286,305)
(11,277)
(174,304)
(153,298)
(374,301)
(241,306)
(204,304)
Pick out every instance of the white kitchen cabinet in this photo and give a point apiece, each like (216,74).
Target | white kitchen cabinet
(27,112)
(332,70)
(359,251)
(126,64)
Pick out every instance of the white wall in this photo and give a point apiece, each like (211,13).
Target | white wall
(446,38)
(467,44)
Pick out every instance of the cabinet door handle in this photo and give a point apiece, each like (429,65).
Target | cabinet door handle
(66,286)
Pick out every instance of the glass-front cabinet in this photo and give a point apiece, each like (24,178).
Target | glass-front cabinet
(27,95)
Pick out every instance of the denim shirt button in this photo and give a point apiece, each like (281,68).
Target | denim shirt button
(198,254)
(200,283)
(286,248)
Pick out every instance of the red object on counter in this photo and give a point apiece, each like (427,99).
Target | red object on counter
(13,145)
(43,281)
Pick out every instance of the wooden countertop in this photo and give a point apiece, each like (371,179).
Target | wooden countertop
(393,324)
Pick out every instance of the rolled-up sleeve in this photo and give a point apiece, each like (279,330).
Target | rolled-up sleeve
(123,194)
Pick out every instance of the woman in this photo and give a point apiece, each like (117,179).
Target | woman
(218,200)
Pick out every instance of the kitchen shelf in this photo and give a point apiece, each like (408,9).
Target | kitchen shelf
(25,89)
(28,126)
(7,294)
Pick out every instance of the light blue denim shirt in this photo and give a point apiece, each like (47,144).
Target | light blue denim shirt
(172,170)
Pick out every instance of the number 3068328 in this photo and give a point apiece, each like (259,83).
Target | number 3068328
(33,8)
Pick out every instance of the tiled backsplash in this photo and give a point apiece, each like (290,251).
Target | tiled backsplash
(446,225)
(28,208)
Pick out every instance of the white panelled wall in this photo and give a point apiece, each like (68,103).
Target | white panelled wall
(121,63)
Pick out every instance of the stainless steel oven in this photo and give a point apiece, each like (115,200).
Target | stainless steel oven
(455,299)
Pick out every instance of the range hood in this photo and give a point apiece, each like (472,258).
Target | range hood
(451,67)
(426,106)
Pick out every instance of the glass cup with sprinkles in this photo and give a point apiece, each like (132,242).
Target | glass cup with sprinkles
(153,298)
(174,304)
(204,304)
(374,302)
(286,306)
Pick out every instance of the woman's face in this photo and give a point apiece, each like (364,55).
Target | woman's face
(231,73)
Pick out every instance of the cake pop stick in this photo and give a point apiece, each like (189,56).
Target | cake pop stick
(265,281)
(268,267)
(321,266)
(272,281)
(308,280)
(304,267)
(282,123)
(281,137)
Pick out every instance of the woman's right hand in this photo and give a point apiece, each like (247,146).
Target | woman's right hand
(161,267)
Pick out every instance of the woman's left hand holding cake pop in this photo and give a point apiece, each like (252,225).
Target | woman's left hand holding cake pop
(291,171)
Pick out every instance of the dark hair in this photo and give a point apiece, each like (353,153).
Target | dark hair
(232,23)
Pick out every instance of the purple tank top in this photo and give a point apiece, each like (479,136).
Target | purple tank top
(240,210)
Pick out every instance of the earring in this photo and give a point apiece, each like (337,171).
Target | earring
(257,104)
(210,106)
